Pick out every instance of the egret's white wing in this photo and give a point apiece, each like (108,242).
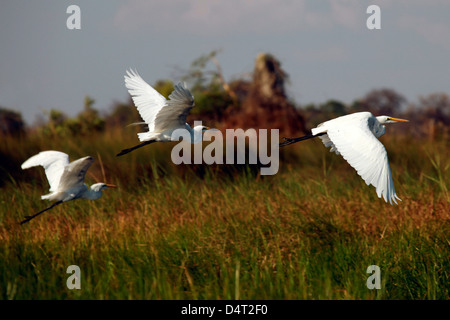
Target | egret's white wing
(328,143)
(53,162)
(148,101)
(174,114)
(74,173)
(365,153)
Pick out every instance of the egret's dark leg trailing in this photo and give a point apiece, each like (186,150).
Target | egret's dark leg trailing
(125,151)
(28,218)
(288,141)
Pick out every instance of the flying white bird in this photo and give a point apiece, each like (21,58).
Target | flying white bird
(354,136)
(66,179)
(162,116)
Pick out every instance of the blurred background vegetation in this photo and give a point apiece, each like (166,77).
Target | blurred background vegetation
(223,231)
(255,100)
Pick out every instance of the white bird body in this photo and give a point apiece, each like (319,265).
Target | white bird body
(162,116)
(355,137)
(167,134)
(66,178)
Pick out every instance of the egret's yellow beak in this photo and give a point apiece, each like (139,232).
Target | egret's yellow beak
(111,185)
(399,120)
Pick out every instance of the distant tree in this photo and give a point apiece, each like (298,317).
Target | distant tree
(431,115)
(197,73)
(437,107)
(11,122)
(165,87)
(88,120)
(122,114)
(333,108)
(315,114)
(213,95)
(265,104)
(56,124)
(380,102)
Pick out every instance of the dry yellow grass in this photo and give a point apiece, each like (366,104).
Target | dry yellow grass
(193,232)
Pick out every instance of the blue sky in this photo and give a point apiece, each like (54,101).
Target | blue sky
(324,46)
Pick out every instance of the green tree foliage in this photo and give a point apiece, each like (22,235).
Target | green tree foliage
(315,114)
(89,120)
(122,114)
(212,94)
(380,102)
(334,108)
(431,115)
(165,87)
(86,122)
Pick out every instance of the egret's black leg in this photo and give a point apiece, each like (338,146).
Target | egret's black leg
(125,151)
(288,141)
(28,218)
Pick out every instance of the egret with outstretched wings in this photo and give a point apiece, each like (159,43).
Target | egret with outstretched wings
(355,137)
(162,116)
(66,179)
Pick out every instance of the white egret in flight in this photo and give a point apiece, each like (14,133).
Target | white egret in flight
(161,115)
(66,179)
(354,136)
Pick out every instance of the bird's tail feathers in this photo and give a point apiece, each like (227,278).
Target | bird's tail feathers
(46,196)
(146,136)
(136,124)
(52,196)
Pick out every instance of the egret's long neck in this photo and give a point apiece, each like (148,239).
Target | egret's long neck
(92,195)
(378,128)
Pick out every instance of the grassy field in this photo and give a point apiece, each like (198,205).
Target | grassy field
(221,232)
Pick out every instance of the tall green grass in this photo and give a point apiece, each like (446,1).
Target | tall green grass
(199,232)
